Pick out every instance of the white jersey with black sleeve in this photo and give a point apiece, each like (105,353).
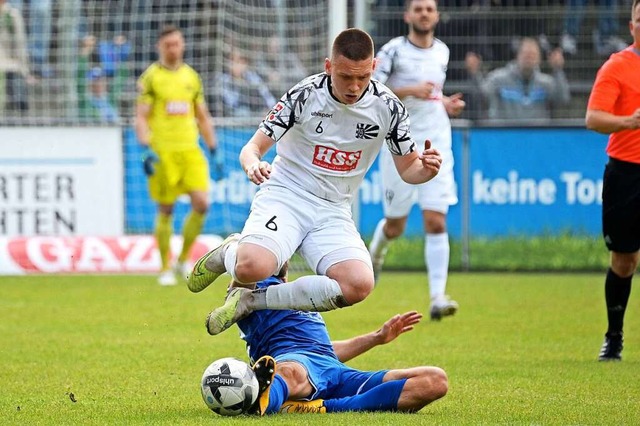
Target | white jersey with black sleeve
(401,64)
(325,147)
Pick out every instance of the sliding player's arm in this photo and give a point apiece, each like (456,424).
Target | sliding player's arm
(390,330)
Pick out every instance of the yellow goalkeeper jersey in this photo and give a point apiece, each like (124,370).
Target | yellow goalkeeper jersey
(173,96)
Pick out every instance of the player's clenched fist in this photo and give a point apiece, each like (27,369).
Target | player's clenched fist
(258,172)
(431,158)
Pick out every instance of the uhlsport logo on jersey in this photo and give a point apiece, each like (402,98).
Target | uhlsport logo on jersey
(366,131)
(334,159)
(321,114)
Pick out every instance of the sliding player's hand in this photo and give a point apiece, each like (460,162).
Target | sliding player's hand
(259,172)
(431,159)
(397,325)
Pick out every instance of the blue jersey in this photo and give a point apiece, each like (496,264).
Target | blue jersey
(277,332)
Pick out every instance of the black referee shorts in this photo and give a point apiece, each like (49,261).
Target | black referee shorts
(621,206)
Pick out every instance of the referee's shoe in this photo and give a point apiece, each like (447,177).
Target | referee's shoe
(611,348)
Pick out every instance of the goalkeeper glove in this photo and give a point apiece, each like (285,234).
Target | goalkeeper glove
(149,158)
(213,150)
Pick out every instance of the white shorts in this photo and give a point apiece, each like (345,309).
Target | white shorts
(398,196)
(284,221)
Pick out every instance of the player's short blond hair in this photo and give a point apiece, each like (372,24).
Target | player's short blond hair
(633,7)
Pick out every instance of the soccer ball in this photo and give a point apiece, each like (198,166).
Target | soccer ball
(229,387)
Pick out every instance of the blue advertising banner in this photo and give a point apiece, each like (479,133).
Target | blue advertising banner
(520,182)
(535,181)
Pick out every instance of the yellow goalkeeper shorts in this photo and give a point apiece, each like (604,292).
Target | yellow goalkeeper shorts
(178,172)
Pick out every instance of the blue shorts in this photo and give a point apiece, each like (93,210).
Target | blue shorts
(332,379)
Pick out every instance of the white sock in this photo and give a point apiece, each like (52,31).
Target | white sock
(230,260)
(316,293)
(436,257)
(379,242)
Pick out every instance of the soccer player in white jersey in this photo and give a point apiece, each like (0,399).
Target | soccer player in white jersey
(414,68)
(329,129)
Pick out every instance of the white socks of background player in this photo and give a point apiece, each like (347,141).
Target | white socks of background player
(436,257)
(379,243)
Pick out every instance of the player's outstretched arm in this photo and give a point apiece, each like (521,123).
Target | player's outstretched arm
(420,167)
(390,330)
(251,157)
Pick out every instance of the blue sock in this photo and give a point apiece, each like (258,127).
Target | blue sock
(383,397)
(278,393)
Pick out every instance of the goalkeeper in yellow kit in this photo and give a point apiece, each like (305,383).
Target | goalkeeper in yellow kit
(170,110)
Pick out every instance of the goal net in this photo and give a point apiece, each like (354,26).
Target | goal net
(83,58)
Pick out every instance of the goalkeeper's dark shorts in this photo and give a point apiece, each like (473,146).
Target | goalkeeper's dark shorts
(621,206)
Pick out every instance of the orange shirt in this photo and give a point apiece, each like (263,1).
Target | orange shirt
(617,91)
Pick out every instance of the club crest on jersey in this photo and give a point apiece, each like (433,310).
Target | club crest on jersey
(334,159)
(366,131)
(389,194)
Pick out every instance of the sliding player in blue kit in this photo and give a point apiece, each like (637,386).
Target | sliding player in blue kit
(301,370)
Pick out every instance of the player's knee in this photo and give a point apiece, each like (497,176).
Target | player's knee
(200,208)
(393,229)
(250,269)
(438,383)
(435,225)
(166,209)
(296,378)
(356,290)
(624,265)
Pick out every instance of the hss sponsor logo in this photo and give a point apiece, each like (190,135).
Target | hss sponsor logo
(334,159)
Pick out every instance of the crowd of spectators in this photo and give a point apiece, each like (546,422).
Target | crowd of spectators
(247,82)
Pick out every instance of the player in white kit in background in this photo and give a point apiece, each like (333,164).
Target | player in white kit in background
(414,68)
(329,128)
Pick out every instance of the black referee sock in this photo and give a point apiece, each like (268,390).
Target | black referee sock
(616,294)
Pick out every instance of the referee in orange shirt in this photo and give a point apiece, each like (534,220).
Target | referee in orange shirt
(614,108)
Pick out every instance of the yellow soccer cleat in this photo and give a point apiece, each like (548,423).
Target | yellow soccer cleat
(265,370)
(304,407)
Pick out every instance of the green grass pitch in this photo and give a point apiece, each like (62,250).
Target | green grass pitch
(96,350)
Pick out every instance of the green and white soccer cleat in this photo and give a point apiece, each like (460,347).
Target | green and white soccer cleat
(233,310)
(210,266)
